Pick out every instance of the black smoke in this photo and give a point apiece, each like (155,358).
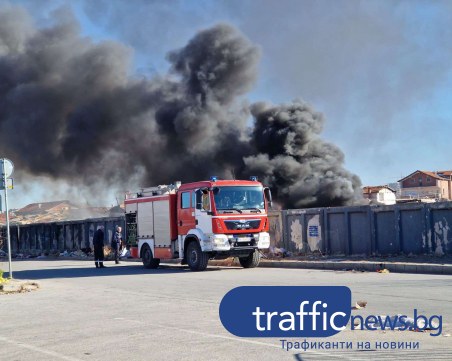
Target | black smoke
(70,110)
(303,170)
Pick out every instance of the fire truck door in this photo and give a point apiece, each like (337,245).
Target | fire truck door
(185,213)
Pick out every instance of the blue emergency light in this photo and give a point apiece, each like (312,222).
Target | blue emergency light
(213,178)
(253,178)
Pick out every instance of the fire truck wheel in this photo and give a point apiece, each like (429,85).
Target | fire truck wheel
(196,258)
(251,261)
(148,260)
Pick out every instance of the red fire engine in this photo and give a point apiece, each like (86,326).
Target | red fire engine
(195,222)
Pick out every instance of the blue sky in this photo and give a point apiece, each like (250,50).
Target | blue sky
(380,71)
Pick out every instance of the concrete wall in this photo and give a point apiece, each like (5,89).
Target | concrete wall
(370,230)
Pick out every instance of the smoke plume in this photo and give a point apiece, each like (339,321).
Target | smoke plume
(70,111)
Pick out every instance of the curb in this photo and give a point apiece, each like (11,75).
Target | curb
(394,267)
(363,266)
(345,265)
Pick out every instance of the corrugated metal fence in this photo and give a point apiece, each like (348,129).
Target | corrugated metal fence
(60,236)
(366,230)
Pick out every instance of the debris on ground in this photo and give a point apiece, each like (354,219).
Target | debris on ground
(360,304)
(78,254)
(278,252)
(87,250)
(125,253)
(18,286)
(109,255)
(384,270)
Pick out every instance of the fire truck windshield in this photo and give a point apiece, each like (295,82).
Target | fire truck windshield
(239,198)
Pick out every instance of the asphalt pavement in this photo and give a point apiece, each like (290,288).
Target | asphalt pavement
(126,312)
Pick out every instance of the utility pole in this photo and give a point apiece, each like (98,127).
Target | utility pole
(7,169)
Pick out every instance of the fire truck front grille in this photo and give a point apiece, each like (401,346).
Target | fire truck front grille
(242,224)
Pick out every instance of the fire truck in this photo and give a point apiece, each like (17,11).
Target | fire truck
(195,222)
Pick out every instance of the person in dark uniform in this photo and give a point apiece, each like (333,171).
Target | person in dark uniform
(116,243)
(98,243)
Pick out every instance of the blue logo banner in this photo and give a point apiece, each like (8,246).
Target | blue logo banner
(286,311)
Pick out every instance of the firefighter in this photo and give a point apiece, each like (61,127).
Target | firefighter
(240,199)
(98,243)
(205,201)
(116,243)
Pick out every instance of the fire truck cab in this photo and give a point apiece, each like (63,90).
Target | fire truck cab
(198,221)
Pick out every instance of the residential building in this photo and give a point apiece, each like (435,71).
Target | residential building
(380,194)
(45,207)
(396,187)
(427,185)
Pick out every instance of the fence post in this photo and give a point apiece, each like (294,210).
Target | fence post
(348,240)
(326,231)
(373,231)
(398,228)
(428,247)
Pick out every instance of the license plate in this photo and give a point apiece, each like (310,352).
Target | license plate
(244,239)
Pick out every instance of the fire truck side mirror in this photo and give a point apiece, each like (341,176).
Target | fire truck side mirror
(268,196)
